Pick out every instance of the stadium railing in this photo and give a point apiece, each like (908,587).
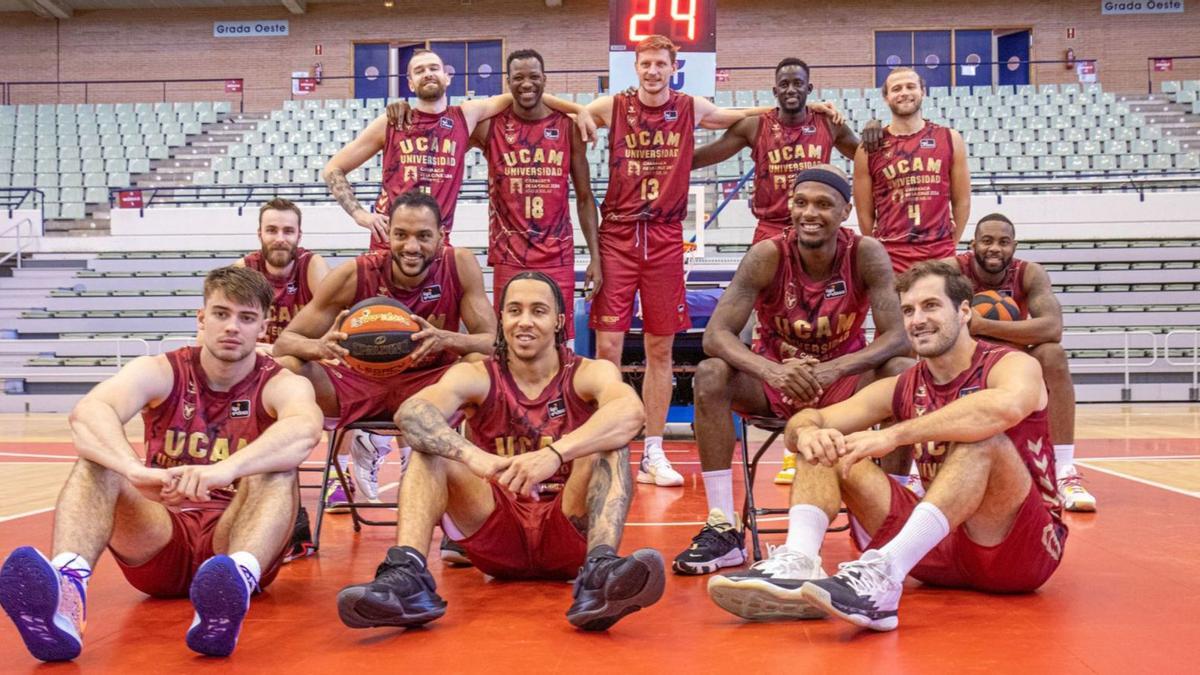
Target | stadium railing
(122,91)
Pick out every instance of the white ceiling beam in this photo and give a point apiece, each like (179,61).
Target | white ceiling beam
(50,9)
(295,6)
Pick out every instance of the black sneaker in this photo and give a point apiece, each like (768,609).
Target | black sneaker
(402,594)
(719,544)
(862,592)
(301,545)
(609,588)
(453,553)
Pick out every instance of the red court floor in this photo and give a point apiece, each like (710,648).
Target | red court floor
(1125,600)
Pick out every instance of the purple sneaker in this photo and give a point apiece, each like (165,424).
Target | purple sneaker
(221,599)
(336,498)
(48,606)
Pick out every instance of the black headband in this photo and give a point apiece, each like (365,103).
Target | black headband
(829,178)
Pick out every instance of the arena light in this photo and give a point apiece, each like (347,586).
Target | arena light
(389,3)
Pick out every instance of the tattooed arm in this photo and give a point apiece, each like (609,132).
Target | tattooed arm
(423,417)
(365,146)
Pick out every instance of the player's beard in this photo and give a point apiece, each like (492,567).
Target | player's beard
(426,261)
(906,109)
(983,264)
(279,257)
(944,340)
(801,102)
(428,93)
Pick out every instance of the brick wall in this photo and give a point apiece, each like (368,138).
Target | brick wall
(125,44)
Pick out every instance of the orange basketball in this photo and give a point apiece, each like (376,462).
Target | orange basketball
(379,337)
(992,305)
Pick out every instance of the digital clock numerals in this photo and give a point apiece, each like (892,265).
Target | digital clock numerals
(683,14)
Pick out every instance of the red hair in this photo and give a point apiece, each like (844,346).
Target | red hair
(655,42)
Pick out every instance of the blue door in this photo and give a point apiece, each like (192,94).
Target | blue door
(371,70)
(931,51)
(454,55)
(1012,51)
(405,55)
(485,63)
(892,48)
(973,47)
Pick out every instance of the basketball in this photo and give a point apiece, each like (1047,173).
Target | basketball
(992,305)
(379,337)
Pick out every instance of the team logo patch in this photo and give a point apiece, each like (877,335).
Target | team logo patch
(551,134)
(808,130)
(968,390)
(928,143)
(430,293)
(293,288)
(836,289)
(240,408)
(670,115)
(189,410)
(446,123)
(679,308)
(556,408)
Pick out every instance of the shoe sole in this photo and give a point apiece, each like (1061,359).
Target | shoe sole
(820,598)
(1086,506)
(350,614)
(759,600)
(220,597)
(731,559)
(615,610)
(781,479)
(651,479)
(29,594)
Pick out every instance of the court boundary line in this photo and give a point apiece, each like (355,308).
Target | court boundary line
(1143,481)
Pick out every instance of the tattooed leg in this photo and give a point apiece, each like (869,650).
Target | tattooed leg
(604,505)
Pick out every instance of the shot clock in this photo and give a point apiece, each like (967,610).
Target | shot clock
(691,24)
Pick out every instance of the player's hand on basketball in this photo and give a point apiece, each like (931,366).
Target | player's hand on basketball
(194,482)
(862,445)
(527,471)
(795,379)
(829,110)
(399,114)
(375,223)
(819,446)
(592,279)
(331,351)
(872,136)
(430,339)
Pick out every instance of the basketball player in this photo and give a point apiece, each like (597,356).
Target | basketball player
(207,513)
(783,141)
(991,265)
(990,519)
(812,287)
(440,284)
(428,154)
(540,491)
(651,140)
(913,194)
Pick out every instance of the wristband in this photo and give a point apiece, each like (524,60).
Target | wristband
(557,454)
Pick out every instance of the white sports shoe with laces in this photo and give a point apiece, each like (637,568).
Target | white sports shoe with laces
(656,469)
(862,592)
(770,589)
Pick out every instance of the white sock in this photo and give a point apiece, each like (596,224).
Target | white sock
(806,529)
(73,561)
(654,448)
(925,528)
(247,561)
(718,487)
(1064,459)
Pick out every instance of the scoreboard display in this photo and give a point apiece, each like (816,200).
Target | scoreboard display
(690,24)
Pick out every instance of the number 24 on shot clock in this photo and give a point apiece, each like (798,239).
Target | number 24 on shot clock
(691,24)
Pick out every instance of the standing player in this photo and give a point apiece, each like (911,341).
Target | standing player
(913,194)
(783,141)
(991,265)
(207,513)
(540,491)
(651,140)
(812,287)
(428,154)
(440,284)
(990,517)
(531,151)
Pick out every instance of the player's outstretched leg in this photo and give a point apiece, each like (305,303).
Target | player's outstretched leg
(47,603)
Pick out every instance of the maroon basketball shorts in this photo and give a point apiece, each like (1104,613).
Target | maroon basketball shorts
(524,539)
(563,275)
(646,259)
(169,573)
(1021,563)
(784,407)
(769,228)
(906,255)
(363,397)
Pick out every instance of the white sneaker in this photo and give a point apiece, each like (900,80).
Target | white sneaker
(657,470)
(770,589)
(1073,495)
(367,452)
(862,592)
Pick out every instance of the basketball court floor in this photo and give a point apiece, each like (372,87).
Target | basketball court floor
(1124,601)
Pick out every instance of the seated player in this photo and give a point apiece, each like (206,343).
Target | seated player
(542,489)
(812,287)
(990,265)
(990,517)
(209,510)
(441,285)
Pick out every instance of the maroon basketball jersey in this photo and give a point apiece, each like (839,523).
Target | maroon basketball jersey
(508,423)
(529,169)
(800,316)
(291,290)
(1011,286)
(428,155)
(437,299)
(781,151)
(910,180)
(196,425)
(917,393)
(649,159)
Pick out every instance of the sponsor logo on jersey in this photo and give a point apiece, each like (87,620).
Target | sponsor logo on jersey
(550,133)
(556,408)
(968,390)
(808,130)
(836,289)
(430,293)
(510,132)
(293,288)
(928,143)
(446,123)
(240,408)
(670,115)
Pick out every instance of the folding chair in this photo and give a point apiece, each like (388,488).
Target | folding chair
(775,427)
(379,428)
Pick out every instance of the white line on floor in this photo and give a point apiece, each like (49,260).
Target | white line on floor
(1143,481)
